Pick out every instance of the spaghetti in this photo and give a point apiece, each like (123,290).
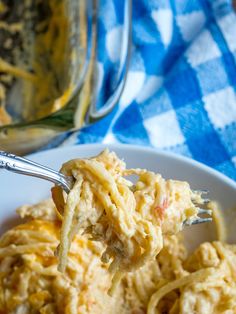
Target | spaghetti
(31,283)
(171,282)
(130,219)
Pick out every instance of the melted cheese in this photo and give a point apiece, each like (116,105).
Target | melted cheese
(173,282)
(130,219)
(101,221)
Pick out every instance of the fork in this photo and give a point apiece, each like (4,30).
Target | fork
(27,167)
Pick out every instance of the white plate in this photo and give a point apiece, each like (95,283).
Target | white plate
(17,190)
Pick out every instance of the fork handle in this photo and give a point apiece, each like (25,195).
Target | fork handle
(27,167)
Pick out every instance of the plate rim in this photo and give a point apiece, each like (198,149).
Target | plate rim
(192,162)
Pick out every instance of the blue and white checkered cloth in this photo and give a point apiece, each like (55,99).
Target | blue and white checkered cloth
(180,91)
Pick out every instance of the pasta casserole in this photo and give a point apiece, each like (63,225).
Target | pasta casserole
(129,218)
(106,226)
(173,282)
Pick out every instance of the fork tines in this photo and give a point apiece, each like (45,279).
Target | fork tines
(205,211)
(201,191)
(200,221)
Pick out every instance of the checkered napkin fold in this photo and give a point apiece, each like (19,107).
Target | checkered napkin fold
(180,90)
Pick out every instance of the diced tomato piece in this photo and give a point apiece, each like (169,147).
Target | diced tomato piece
(160,210)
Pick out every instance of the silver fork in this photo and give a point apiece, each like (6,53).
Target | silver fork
(27,167)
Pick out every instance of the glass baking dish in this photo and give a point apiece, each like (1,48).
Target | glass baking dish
(49,70)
